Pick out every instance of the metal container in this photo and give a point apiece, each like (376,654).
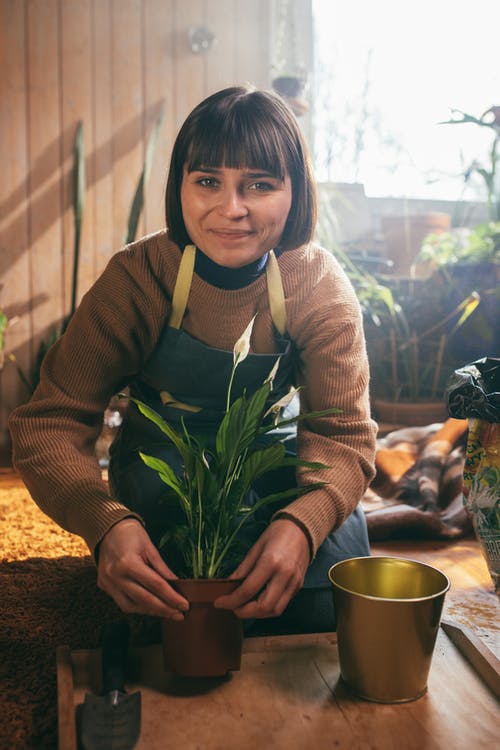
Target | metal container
(388,613)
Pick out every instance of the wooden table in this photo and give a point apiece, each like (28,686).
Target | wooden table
(288,695)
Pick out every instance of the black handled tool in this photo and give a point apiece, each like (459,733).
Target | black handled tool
(112,720)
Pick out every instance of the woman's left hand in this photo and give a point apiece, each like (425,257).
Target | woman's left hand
(273,571)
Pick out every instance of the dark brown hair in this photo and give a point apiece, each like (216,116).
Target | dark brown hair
(241,127)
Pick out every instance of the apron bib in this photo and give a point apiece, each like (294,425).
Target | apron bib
(185,378)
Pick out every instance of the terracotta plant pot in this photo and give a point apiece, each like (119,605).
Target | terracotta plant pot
(411,414)
(208,642)
(404,235)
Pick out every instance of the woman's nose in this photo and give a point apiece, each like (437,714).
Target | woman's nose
(232,204)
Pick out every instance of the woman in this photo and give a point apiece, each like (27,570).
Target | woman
(240,195)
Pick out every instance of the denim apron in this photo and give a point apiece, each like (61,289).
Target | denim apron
(187,379)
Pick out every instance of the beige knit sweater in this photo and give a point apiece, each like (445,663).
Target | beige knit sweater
(116,328)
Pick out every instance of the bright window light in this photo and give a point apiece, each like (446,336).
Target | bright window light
(387,72)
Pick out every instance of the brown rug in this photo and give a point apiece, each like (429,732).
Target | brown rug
(49,597)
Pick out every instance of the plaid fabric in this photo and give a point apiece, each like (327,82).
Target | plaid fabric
(417,490)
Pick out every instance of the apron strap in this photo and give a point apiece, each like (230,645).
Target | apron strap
(183,285)
(276,294)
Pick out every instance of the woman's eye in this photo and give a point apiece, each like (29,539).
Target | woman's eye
(262,186)
(206,182)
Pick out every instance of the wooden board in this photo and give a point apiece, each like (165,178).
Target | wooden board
(288,694)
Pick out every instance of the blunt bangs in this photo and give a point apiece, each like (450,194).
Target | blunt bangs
(240,141)
(244,128)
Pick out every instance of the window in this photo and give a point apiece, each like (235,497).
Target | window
(386,73)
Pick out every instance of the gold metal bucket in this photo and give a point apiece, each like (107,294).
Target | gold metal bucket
(388,614)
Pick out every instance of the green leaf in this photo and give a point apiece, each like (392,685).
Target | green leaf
(168,476)
(158,420)
(240,426)
(469,305)
(138,200)
(260,461)
(299,418)
(467,119)
(3,326)
(163,470)
(178,534)
(79,188)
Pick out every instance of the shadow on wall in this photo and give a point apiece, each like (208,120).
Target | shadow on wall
(43,194)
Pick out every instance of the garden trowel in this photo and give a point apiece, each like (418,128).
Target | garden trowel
(112,720)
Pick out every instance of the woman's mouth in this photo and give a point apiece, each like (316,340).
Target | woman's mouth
(231,234)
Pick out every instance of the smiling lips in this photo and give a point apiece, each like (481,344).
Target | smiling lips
(231,234)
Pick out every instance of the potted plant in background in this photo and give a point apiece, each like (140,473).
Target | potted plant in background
(469,258)
(490,175)
(409,329)
(210,497)
(403,235)
(422,327)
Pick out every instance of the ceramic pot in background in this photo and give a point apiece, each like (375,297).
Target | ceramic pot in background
(409,413)
(208,642)
(403,236)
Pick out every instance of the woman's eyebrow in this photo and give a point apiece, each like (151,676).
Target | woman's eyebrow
(262,173)
(210,170)
(251,173)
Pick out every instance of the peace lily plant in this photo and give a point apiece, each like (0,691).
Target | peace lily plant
(211,493)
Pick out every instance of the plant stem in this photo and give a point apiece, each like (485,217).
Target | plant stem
(228,400)
(213,565)
(200,520)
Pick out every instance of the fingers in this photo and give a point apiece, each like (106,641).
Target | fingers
(131,598)
(133,573)
(137,588)
(273,572)
(266,591)
(271,602)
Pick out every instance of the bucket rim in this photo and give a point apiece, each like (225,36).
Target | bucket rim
(372,597)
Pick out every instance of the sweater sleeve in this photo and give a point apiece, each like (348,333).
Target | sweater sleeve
(324,320)
(54,434)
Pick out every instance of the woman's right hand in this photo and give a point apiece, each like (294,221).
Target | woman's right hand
(133,573)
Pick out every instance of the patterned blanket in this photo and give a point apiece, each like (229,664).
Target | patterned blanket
(417,490)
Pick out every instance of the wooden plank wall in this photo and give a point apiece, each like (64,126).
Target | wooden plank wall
(114,64)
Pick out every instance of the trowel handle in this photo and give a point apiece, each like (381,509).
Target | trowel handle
(115,638)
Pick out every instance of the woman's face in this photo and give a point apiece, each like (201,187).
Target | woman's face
(235,215)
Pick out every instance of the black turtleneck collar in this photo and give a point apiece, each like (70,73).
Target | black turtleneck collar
(228,278)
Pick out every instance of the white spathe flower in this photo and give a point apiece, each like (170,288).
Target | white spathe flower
(242,346)
(282,402)
(272,374)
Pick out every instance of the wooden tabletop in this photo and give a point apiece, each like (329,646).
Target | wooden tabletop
(288,695)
